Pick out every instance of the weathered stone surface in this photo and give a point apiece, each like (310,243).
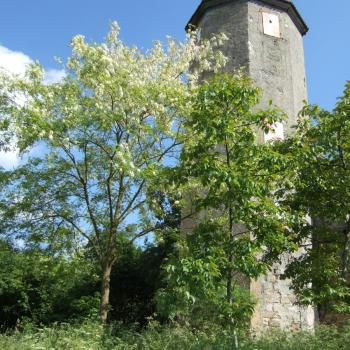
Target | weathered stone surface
(277,64)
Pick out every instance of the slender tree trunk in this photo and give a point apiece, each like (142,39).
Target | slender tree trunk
(346,255)
(229,285)
(105,290)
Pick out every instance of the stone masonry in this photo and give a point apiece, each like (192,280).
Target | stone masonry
(266,38)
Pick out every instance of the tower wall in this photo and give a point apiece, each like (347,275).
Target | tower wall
(230,18)
(276,64)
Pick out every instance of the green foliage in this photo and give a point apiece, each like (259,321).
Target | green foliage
(237,173)
(240,226)
(196,291)
(135,280)
(320,154)
(42,288)
(93,336)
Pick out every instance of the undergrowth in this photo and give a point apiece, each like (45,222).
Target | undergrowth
(92,336)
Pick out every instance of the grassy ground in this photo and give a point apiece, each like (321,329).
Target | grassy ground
(91,336)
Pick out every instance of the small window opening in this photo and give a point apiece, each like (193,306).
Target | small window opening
(271,24)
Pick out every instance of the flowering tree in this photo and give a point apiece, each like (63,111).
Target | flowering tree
(97,143)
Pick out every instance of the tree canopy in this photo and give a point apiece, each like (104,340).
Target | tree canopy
(97,143)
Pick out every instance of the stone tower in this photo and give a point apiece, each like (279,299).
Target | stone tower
(266,37)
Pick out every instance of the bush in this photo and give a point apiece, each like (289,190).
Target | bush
(37,286)
(43,289)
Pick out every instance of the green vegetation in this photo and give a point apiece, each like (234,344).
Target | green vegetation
(135,144)
(320,151)
(41,289)
(93,336)
(109,129)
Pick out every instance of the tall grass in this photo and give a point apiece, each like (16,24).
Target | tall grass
(92,336)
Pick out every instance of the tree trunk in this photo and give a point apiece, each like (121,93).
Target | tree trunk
(105,290)
(346,254)
(229,284)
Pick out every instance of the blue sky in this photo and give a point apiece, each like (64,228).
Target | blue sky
(42,29)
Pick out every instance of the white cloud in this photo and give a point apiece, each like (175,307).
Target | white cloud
(9,160)
(16,62)
(13,61)
(54,76)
